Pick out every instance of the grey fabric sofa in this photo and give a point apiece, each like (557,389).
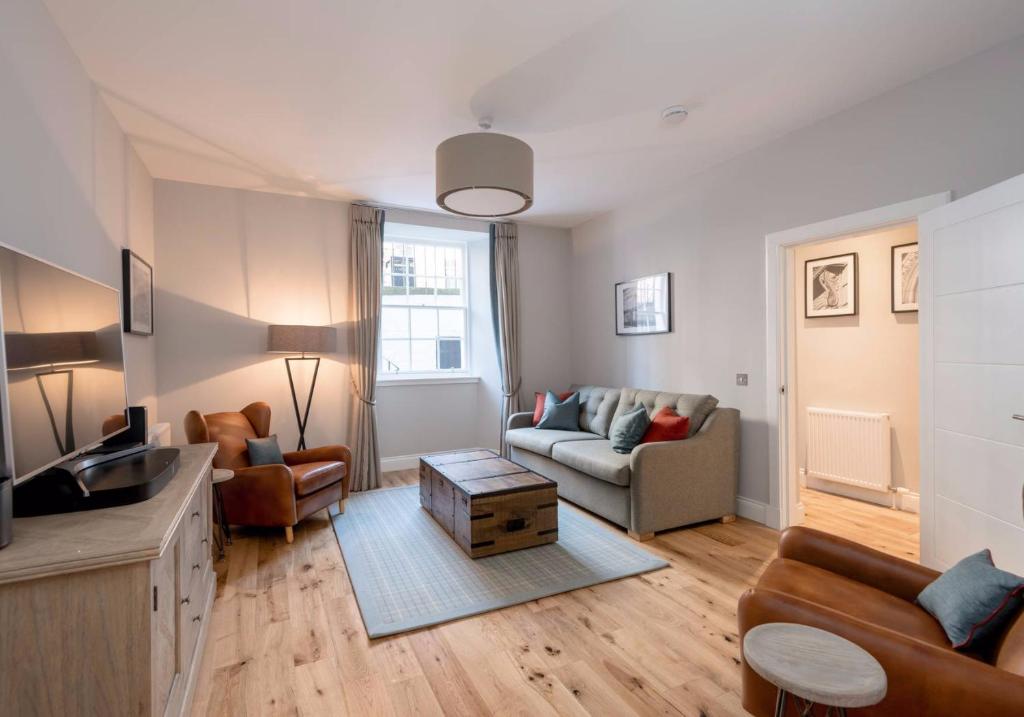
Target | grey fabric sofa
(656,487)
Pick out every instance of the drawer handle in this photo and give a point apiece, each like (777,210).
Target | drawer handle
(204,541)
(195,514)
(1018,417)
(515,524)
(196,566)
(197,618)
(186,601)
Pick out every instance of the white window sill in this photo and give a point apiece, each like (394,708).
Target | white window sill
(422,380)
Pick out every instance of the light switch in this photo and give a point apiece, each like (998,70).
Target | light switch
(741,379)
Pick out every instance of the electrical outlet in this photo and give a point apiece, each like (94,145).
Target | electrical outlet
(741,379)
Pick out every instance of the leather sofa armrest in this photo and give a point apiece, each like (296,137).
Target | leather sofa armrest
(316,455)
(260,495)
(325,453)
(897,577)
(923,679)
(520,420)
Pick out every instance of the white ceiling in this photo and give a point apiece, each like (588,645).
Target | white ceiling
(349,99)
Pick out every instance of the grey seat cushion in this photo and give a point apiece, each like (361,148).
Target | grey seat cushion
(540,440)
(596,459)
(697,406)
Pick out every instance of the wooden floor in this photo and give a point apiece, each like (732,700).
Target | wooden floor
(892,531)
(286,637)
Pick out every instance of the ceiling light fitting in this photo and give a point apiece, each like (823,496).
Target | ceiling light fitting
(484,174)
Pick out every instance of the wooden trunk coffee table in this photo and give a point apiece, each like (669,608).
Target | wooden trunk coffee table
(488,504)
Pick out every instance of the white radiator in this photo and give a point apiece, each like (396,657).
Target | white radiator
(849,447)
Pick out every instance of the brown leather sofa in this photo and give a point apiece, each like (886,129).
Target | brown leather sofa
(868,597)
(270,495)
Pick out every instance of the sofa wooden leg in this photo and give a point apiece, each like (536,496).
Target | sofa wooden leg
(341,505)
(289,535)
(728,518)
(640,537)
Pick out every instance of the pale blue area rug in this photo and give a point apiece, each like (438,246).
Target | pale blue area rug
(407,573)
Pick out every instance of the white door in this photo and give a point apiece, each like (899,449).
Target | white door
(972,378)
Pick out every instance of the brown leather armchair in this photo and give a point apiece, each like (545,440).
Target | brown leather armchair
(270,495)
(868,598)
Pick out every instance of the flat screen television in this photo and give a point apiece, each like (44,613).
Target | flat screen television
(63,361)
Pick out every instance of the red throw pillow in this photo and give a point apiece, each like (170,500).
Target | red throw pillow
(538,406)
(667,425)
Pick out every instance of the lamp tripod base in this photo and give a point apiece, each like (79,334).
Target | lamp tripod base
(302,417)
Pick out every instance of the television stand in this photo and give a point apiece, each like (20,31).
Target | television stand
(93,481)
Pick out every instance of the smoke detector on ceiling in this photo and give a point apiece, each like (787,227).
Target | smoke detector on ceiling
(674,114)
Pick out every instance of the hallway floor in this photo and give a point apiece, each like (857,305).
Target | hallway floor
(892,531)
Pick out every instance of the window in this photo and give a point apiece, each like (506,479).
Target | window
(424,305)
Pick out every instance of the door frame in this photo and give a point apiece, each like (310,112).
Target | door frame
(784,508)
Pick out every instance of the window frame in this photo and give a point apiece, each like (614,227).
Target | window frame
(435,375)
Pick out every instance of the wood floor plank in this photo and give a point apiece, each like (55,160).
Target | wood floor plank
(286,635)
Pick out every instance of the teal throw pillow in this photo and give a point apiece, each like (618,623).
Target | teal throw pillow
(628,429)
(561,415)
(973,599)
(264,451)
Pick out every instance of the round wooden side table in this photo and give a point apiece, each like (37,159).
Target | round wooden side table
(815,667)
(220,475)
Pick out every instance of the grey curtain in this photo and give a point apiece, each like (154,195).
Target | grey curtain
(367,239)
(505,313)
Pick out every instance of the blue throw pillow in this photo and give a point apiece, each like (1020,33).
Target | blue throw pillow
(628,429)
(973,599)
(264,451)
(561,415)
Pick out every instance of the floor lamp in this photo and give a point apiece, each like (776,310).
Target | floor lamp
(302,340)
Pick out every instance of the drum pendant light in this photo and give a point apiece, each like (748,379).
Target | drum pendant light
(484,174)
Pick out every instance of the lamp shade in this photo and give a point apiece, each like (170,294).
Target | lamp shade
(51,349)
(483,174)
(295,338)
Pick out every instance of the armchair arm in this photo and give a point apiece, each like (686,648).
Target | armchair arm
(520,420)
(315,455)
(674,483)
(897,577)
(260,495)
(923,679)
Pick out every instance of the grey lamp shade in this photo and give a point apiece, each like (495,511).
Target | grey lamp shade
(295,339)
(51,349)
(484,174)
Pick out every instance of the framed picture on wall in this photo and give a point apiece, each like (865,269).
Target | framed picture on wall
(644,305)
(904,278)
(136,293)
(830,286)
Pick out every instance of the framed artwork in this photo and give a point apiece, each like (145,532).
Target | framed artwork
(830,286)
(904,278)
(136,294)
(644,305)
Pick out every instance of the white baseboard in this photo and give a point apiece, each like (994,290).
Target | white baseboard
(411,462)
(399,463)
(908,501)
(752,509)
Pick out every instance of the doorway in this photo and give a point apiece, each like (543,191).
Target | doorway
(786,298)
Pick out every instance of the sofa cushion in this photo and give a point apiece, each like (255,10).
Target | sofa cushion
(595,458)
(628,429)
(311,477)
(264,451)
(538,404)
(973,599)
(697,407)
(667,425)
(852,598)
(560,415)
(540,440)
(597,406)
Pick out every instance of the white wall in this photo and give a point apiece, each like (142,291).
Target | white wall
(957,129)
(72,190)
(868,362)
(233,261)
